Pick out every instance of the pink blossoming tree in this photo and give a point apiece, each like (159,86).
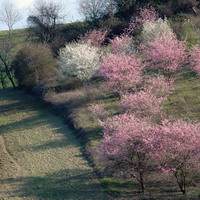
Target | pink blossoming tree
(121,71)
(180,151)
(147,102)
(158,85)
(142,104)
(167,54)
(145,15)
(127,147)
(95,37)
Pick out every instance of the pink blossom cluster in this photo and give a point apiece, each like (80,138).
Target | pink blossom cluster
(142,104)
(158,85)
(95,37)
(98,111)
(145,14)
(180,143)
(179,152)
(167,53)
(147,102)
(121,71)
(172,146)
(128,146)
(126,129)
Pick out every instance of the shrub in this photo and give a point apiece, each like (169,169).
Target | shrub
(32,64)
(80,60)
(155,30)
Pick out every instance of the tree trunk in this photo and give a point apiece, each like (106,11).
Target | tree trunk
(142,183)
(8,71)
(181,180)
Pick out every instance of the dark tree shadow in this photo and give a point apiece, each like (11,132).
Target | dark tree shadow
(67,184)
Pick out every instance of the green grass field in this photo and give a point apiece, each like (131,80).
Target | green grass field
(185,101)
(40,158)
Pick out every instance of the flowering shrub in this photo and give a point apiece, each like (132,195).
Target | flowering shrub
(166,53)
(195,59)
(95,37)
(121,71)
(79,60)
(155,30)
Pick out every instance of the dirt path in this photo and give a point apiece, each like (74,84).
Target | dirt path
(39,156)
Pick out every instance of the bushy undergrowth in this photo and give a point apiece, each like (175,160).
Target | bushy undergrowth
(33,64)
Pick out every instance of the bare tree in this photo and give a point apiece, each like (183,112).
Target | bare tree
(47,14)
(95,9)
(9,15)
(7,51)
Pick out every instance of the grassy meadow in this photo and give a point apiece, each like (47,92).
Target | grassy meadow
(40,156)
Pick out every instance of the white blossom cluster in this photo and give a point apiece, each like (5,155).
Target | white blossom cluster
(154,30)
(79,60)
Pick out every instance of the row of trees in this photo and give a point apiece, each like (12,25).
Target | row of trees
(96,9)
(46,16)
(140,140)
(9,16)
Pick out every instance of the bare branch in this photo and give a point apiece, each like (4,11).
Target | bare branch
(9,15)
(95,9)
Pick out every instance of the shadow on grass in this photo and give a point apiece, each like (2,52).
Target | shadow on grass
(15,107)
(22,125)
(18,102)
(67,184)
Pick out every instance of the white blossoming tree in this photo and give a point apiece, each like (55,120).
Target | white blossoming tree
(80,60)
(155,30)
